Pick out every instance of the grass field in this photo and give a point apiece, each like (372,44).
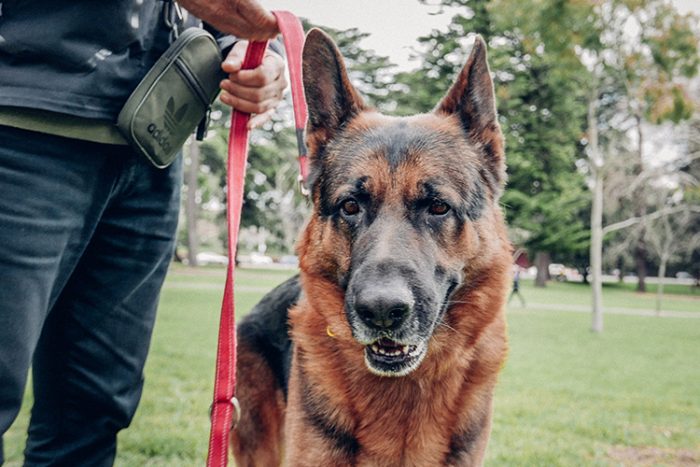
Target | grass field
(567,397)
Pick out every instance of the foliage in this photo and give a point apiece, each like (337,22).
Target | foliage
(541,110)
(690,167)
(370,73)
(442,55)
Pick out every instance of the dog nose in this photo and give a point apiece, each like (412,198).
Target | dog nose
(383,308)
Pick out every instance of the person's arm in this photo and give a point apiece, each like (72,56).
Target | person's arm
(243,18)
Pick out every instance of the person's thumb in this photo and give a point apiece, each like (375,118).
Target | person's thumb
(234,60)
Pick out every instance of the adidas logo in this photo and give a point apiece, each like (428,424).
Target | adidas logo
(172,119)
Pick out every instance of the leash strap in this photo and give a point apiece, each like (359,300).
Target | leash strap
(225,405)
(293,36)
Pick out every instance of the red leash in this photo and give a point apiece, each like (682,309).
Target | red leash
(225,405)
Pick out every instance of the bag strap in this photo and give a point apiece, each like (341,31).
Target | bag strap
(225,405)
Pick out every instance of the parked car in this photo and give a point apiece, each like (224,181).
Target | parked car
(259,258)
(205,258)
(561,273)
(289,260)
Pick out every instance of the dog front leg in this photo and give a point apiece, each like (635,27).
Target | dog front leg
(257,440)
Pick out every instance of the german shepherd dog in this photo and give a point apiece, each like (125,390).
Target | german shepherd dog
(385,350)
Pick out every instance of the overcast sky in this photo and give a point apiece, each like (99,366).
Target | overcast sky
(393,25)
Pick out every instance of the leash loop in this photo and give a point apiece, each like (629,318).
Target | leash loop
(303,189)
(226,411)
(236,410)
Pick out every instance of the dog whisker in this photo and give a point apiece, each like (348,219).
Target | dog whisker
(458,302)
(445,325)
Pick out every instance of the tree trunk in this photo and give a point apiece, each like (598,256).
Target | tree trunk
(596,252)
(621,271)
(542,261)
(640,250)
(666,244)
(191,203)
(640,261)
(660,286)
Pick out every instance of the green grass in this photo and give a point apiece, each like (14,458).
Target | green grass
(676,289)
(566,396)
(676,297)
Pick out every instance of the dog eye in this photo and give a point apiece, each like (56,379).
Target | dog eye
(438,208)
(350,207)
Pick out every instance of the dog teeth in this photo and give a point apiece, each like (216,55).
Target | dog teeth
(404,350)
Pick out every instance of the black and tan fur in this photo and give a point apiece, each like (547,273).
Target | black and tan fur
(385,351)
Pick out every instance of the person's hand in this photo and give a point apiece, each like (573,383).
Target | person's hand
(257,91)
(246,19)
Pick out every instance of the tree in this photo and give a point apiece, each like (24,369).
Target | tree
(442,55)
(663,235)
(541,114)
(691,167)
(647,64)
(665,49)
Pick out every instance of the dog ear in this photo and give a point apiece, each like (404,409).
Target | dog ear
(331,98)
(472,99)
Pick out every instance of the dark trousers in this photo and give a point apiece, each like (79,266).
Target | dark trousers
(86,235)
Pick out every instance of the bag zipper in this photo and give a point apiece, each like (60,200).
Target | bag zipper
(194,84)
(192,81)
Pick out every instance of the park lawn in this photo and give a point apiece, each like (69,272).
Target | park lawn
(215,276)
(676,297)
(668,288)
(565,397)
(568,397)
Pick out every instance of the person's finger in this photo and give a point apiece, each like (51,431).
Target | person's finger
(271,68)
(260,83)
(232,64)
(243,105)
(234,60)
(265,74)
(253,94)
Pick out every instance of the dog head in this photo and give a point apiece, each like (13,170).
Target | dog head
(402,205)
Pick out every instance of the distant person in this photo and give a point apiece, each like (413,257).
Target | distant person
(516,286)
(87,226)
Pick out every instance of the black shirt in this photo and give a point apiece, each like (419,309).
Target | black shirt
(81,57)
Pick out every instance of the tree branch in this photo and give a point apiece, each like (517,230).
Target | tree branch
(648,217)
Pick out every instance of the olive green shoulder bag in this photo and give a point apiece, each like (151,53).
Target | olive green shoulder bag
(173,98)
